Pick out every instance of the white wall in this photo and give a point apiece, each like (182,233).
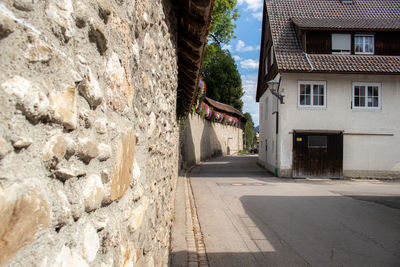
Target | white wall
(204,139)
(361,153)
(267,108)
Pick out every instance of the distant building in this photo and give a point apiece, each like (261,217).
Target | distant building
(329,88)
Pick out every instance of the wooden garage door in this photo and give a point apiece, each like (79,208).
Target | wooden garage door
(317,154)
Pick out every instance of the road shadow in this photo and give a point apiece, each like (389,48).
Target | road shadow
(231,167)
(287,234)
(326,230)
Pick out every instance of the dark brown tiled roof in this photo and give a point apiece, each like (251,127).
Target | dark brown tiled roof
(355,63)
(223,107)
(349,24)
(288,50)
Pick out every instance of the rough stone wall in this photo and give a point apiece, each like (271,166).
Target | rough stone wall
(203,139)
(88,132)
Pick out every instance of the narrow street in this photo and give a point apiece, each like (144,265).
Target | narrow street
(249,218)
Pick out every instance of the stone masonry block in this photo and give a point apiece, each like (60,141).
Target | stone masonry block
(65,109)
(123,164)
(119,90)
(93,192)
(21,216)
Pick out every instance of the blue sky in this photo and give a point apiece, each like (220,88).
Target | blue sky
(245,49)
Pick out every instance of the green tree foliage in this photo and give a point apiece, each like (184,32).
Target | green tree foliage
(222,27)
(223,79)
(250,134)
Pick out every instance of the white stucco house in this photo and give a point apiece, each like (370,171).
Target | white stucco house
(329,88)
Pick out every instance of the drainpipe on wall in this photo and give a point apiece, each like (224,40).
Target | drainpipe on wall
(276,136)
(309,62)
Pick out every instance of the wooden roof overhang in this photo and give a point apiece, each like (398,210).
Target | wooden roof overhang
(193,22)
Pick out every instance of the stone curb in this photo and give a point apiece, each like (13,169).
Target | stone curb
(197,255)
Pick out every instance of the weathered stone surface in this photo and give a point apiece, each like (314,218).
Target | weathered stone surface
(105,152)
(97,36)
(89,88)
(21,142)
(7,26)
(90,242)
(37,50)
(24,5)
(101,222)
(138,192)
(53,45)
(152,124)
(149,44)
(123,165)
(135,173)
(64,107)
(137,215)
(60,12)
(93,192)
(100,125)
(88,150)
(105,176)
(109,263)
(119,91)
(130,254)
(61,211)
(54,150)
(30,98)
(66,257)
(85,116)
(5,147)
(71,147)
(21,216)
(64,174)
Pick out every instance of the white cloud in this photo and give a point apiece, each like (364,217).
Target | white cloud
(241,47)
(237,58)
(254,5)
(257,15)
(255,119)
(227,47)
(249,85)
(257,47)
(249,64)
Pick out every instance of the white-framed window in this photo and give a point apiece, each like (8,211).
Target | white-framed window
(341,43)
(364,44)
(311,94)
(366,95)
(272,55)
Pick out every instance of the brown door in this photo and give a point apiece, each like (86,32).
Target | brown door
(317,154)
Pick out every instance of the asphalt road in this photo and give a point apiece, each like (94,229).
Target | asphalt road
(249,218)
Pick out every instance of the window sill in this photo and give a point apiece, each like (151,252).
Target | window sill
(364,53)
(312,107)
(366,109)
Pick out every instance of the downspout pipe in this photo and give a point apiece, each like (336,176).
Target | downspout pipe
(309,62)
